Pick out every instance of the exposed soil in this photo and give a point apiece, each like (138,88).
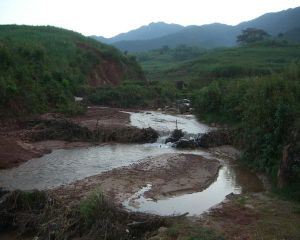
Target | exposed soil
(108,72)
(102,116)
(105,73)
(32,137)
(169,175)
(14,152)
(255,216)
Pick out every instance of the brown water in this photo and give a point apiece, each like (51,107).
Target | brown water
(66,166)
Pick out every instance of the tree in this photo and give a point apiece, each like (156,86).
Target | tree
(252,35)
(164,49)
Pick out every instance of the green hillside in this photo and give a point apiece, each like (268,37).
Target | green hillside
(42,68)
(202,66)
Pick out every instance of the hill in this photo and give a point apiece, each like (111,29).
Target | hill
(151,31)
(42,68)
(275,23)
(202,65)
(208,36)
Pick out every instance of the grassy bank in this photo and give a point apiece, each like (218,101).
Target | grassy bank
(39,214)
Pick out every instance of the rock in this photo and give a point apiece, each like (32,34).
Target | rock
(215,138)
(175,136)
(231,196)
(185,143)
(146,135)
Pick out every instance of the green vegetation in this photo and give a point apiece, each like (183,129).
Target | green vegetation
(203,66)
(157,63)
(252,35)
(265,110)
(42,68)
(135,94)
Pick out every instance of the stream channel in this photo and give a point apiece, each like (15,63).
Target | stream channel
(64,166)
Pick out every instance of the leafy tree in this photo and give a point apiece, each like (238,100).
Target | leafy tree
(252,35)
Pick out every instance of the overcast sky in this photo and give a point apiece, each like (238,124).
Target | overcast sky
(111,17)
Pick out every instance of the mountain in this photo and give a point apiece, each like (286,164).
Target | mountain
(43,67)
(151,31)
(207,36)
(275,23)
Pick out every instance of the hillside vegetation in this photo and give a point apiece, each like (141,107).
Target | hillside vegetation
(191,64)
(42,68)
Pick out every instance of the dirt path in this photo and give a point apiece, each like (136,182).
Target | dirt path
(169,175)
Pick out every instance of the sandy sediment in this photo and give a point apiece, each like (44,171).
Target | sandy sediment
(168,174)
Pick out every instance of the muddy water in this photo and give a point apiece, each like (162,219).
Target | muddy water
(66,166)
(166,123)
(196,203)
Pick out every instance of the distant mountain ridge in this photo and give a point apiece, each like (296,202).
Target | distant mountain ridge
(156,35)
(151,31)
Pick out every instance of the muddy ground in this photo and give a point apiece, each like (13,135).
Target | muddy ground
(17,144)
(244,217)
(169,175)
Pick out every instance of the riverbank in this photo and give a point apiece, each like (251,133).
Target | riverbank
(142,178)
(33,137)
(169,175)
(242,217)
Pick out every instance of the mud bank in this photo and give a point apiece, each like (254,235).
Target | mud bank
(14,152)
(23,140)
(169,175)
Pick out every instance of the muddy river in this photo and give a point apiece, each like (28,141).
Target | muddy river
(68,165)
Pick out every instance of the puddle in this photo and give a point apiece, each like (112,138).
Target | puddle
(194,203)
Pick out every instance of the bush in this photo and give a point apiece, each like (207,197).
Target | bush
(264,109)
(135,95)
